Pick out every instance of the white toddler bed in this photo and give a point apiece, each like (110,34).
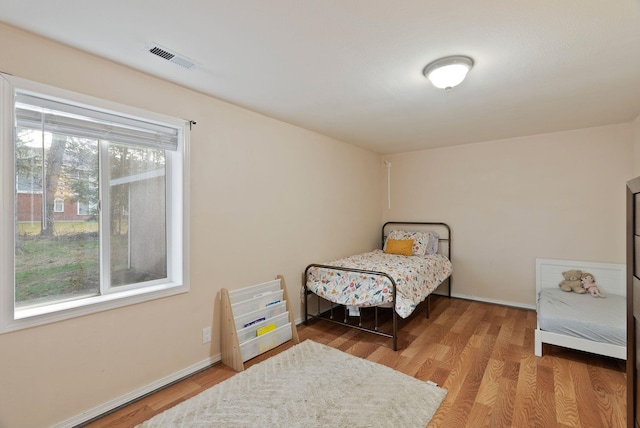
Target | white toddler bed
(581,321)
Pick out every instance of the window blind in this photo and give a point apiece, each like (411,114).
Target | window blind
(37,112)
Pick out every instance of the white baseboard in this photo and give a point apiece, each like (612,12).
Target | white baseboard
(160,383)
(475,298)
(138,393)
(497,302)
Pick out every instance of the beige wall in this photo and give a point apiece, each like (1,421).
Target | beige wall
(636,146)
(267,198)
(558,195)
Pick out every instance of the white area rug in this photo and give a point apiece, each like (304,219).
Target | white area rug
(309,385)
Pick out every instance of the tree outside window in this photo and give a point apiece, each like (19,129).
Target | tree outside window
(122,175)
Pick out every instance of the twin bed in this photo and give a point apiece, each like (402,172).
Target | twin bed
(581,321)
(414,261)
(353,289)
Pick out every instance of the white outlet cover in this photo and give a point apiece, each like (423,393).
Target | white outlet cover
(206,335)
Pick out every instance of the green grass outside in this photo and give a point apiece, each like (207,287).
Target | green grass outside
(62,227)
(67,265)
(52,268)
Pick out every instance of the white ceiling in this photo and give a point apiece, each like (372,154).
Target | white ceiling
(353,69)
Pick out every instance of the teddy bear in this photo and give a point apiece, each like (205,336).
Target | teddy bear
(572,282)
(589,284)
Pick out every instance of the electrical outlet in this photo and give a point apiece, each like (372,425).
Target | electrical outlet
(206,335)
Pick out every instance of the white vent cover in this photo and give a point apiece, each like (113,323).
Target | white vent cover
(169,55)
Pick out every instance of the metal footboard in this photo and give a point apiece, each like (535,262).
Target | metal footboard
(328,314)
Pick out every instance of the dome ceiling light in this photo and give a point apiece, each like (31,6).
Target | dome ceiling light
(445,73)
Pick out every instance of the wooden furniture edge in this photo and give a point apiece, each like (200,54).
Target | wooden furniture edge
(230,345)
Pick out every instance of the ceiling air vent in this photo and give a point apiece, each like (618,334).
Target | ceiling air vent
(170,56)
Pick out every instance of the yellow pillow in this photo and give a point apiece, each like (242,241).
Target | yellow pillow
(402,247)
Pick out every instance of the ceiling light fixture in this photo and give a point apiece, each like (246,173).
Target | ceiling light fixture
(445,73)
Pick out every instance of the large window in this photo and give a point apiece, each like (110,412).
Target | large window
(123,173)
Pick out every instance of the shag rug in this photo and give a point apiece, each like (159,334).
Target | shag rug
(309,385)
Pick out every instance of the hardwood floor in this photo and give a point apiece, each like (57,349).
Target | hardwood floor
(481,353)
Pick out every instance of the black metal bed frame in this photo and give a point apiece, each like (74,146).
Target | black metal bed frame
(328,315)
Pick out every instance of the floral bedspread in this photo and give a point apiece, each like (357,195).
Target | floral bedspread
(415,277)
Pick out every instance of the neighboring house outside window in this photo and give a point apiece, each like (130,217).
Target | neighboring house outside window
(100,205)
(58,205)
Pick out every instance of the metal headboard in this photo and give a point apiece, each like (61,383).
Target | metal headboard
(421,227)
(415,226)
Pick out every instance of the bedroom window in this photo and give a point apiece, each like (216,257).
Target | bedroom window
(124,169)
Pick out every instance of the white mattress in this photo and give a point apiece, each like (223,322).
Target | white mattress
(583,316)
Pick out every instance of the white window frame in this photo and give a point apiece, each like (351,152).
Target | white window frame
(79,205)
(56,205)
(177,200)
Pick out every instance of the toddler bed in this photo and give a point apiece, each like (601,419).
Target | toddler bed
(581,321)
(393,277)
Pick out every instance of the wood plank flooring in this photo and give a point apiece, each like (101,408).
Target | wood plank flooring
(481,353)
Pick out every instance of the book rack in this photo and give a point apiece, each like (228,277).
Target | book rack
(255,319)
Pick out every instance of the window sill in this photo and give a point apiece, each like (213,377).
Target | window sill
(35,316)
